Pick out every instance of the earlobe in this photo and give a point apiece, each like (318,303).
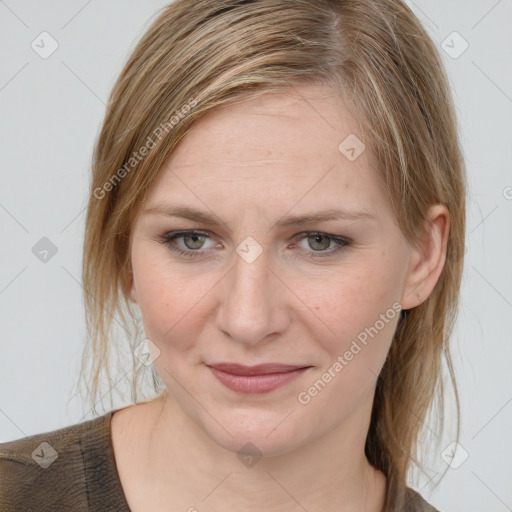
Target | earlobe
(427,260)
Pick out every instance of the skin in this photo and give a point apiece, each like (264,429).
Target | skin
(251,165)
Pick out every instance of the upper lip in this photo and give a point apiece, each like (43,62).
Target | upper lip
(259,369)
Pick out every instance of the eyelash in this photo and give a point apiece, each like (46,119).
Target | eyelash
(168,240)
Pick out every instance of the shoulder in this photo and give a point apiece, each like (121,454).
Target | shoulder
(414,502)
(54,470)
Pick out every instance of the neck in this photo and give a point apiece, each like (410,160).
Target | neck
(330,473)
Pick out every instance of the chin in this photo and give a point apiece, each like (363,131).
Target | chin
(253,445)
(258,434)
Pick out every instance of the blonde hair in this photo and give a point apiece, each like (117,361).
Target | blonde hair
(199,55)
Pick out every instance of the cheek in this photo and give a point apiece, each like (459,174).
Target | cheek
(171,300)
(355,313)
(349,296)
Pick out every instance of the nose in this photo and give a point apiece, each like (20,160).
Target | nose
(252,302)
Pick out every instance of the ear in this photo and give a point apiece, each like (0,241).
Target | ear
(427,260)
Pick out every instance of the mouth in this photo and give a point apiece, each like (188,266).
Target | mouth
(257,379)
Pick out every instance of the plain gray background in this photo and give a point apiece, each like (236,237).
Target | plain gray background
(51,111)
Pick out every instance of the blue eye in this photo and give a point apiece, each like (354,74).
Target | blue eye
(321,244)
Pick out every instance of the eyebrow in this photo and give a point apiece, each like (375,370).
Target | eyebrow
(186,212)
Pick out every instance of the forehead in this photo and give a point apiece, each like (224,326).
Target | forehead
(295,123)
(279,147)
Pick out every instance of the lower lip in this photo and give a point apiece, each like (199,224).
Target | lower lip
(256,383)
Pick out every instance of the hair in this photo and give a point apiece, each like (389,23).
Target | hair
(199,55)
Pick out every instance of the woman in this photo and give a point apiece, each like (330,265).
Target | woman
(278,203)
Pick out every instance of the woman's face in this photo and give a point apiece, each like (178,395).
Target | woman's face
(263,281)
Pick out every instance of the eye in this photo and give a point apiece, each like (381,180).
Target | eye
(193,242)
(323,244)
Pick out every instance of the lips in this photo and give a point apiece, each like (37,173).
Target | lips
(260,369)
(258,379)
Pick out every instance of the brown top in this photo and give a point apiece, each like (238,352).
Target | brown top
(74,469)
